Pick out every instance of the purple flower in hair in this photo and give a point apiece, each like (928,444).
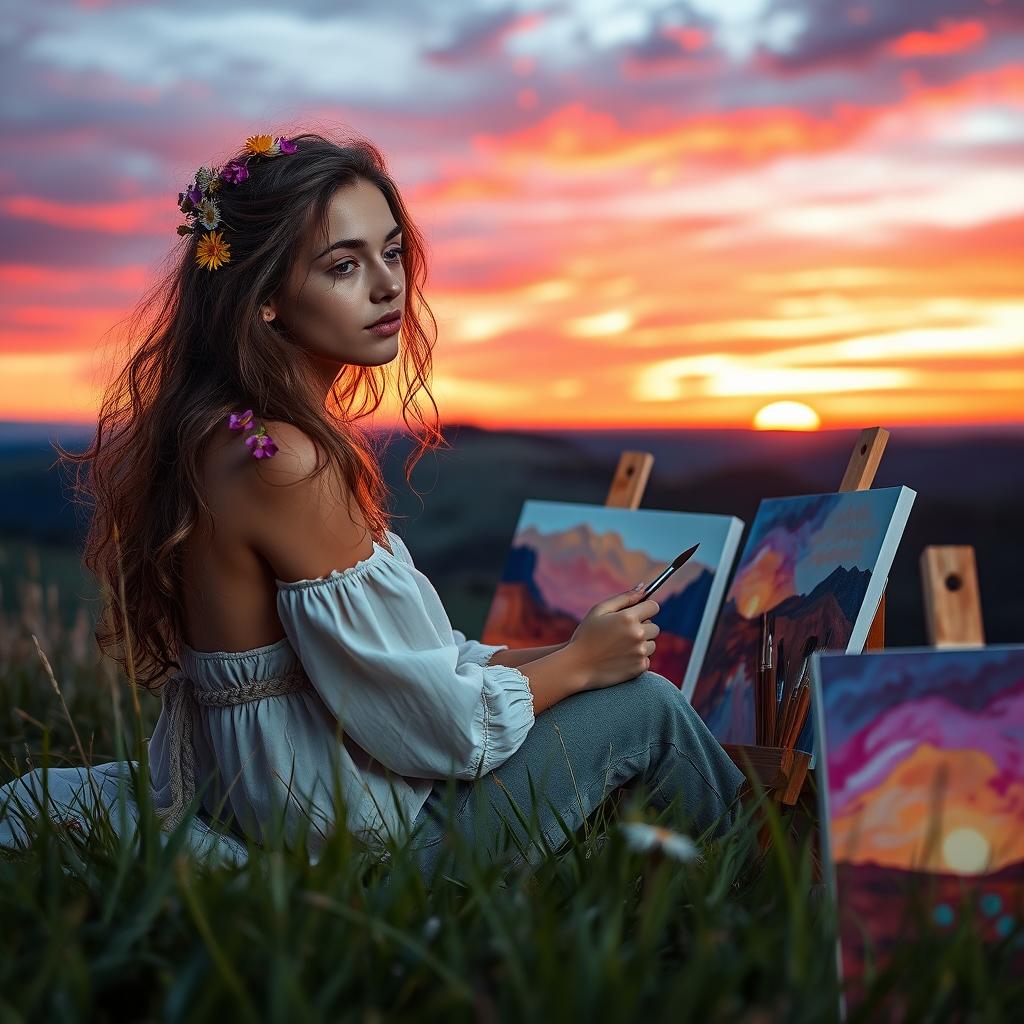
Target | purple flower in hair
(234,172)
(287,145)
(195,194)
(240,420)
(260,444)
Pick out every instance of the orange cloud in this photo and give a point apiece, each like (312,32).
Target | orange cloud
(765,582)
(952,37)
(33,282)
(120,217)
(575,135)
(689,39)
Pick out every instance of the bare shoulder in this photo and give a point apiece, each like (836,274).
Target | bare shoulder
(294,461)
(304,524)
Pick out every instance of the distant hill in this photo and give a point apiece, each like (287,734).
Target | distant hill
(970,487)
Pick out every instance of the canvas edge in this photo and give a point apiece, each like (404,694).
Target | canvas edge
(722,577)
(825,818)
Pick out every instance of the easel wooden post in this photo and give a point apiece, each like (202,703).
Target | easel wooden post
(630,480)
(952,598)
(859,476)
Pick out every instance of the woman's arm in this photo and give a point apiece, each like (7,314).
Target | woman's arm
(524,655)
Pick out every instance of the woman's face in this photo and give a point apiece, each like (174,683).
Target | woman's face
(341,284)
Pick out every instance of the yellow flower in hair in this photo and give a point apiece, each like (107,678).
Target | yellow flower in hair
(212,251)
(259,145)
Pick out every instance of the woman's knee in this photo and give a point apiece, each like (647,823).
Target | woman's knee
(671,714)
(655,691)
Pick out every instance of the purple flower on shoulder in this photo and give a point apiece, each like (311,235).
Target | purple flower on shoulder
(261,445)
(240,420)
(234,172)
(287,145)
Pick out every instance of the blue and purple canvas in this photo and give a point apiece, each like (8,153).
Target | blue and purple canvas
(817,562)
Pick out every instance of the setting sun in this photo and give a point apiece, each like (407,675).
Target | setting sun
(787,416)
(966,851)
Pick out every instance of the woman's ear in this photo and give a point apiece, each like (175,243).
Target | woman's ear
(268,312)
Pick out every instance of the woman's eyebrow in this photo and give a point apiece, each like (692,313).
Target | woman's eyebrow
(355,243)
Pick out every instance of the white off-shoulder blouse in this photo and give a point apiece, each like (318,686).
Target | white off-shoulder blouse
(371,680)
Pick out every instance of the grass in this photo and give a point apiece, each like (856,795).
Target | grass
(102,926)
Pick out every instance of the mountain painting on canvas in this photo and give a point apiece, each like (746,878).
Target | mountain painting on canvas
(921,788)
(818,563)
(566,557)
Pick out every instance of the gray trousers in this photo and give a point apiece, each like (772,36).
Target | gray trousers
(578,752)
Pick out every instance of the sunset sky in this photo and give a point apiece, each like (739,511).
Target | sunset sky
(640,212)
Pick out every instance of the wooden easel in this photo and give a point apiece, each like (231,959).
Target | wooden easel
(952,598)
(782,771)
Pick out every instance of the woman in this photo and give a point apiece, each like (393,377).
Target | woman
(308,672)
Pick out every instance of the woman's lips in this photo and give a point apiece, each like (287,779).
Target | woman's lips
(387,328)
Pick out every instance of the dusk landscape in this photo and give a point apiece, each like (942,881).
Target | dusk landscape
(730,234)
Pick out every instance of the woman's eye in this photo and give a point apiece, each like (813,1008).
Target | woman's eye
(336,269)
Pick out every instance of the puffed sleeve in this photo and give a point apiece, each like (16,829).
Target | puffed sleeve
(376,643)
(469,650)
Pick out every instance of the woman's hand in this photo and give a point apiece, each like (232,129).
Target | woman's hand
(614,642)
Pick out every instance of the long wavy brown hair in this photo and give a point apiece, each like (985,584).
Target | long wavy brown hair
(198,350)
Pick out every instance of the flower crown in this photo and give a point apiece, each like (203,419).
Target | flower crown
(201,208)
(259,442)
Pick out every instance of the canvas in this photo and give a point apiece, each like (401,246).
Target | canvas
(566,557)
(921,784)
(820,563)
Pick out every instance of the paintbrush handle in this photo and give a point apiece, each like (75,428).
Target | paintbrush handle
(799,715)
(794,709)
(794,682)
(791,705)
(758,681)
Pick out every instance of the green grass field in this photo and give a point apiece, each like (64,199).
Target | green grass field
(99,928)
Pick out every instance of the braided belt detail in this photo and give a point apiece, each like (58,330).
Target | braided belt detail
(181,704)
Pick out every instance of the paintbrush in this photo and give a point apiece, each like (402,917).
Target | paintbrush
(799,715)
(790,691)
(768,690)
(778,678)
(802,698)
(760,668)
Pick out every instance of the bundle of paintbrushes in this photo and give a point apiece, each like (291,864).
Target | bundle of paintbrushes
(782,691)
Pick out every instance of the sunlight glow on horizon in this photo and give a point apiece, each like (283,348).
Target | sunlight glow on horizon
(787,416)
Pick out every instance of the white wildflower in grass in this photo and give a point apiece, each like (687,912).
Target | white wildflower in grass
(431,927)
(644,838)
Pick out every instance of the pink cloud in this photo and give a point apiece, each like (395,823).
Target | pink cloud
(873,753)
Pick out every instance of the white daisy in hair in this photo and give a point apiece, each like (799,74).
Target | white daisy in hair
(204,176)
(208,213)
(644,838)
